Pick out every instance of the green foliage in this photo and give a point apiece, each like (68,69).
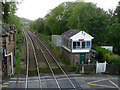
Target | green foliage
(74,66)
(75,15)
(99,56)
(106,55)
(65,61)
(17,62)
(44,37)
(8,8)
(115,59)
(38,25)
(102,53)
(43,68)
(9,17)
(47,39)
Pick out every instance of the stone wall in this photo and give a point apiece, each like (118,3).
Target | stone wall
(8,44)
(10,49)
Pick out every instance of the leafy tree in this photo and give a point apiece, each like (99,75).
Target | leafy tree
(54,20)
(8,9)
(88,17)
(114,29)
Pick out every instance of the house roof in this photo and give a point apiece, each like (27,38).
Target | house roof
(6,29)
(3,32)
(70,32)
(77,34)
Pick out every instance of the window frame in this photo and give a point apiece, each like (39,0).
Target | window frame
(81,47)
(86,45)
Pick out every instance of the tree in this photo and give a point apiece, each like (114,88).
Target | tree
(88,17)
(114,29)
(8,10)
(117,12)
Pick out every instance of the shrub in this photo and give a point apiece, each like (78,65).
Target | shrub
(103,54)
(99,56)
(74,66)
(65,61)
(106,55)
(115,59)
(17,62)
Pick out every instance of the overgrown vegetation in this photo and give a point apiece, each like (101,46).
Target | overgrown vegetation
(47,39)
(9,8)
(65,61)
(106,55)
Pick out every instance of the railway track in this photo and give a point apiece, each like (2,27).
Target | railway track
(36,61)
(49,58)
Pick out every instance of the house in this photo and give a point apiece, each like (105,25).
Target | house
(8,46)
(76,46)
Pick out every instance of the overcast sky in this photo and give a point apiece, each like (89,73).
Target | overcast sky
(33,9)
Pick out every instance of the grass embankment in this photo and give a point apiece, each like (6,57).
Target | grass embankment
(47,39)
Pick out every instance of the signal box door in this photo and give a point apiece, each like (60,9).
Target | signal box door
(82,58)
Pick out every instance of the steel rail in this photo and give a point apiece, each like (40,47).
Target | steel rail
(26,84)
(55,61)
(35,59)
(48,65)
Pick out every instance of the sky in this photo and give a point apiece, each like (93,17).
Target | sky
(34,9)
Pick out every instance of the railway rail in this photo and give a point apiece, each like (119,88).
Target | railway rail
(27,62)
(38,72)
(45,51)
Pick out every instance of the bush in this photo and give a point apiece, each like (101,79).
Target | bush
(103,54)
(106,55)
(99,56)
(115,59)
(65,61)
(74,66)
(17,62)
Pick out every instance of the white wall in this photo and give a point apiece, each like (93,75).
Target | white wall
(108,47)
(82,35)
(80,51)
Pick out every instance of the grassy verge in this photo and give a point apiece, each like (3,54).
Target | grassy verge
(47,39)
